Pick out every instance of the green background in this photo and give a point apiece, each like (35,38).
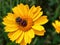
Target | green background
(51,8)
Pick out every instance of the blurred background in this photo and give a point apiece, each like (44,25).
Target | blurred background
(51,8)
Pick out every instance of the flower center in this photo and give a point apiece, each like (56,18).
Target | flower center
(25,23)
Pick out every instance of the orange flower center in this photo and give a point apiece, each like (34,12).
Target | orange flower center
(24,23)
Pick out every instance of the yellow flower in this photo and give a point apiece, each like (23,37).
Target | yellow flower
(24,23)
(57,26)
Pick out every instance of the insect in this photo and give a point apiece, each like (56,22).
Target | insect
(21,22)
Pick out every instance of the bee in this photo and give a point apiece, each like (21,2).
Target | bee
(21,22)
(18,20)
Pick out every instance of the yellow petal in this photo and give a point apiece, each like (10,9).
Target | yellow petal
(22,7)
(10,29)
(23,42)
(37,12)
(31,33)
(42,20)
(26,9)
(15,35)
(58,30)
(17,11)
(54,25)
(34,11)
(10,34)
(39,33)
(57,22)
(38,16)
(20,38)
(27,38)
(30,11)
(9,20)
(38,27)
(32,8)
(10,16)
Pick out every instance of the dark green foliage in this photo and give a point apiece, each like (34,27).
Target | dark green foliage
(51,8)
